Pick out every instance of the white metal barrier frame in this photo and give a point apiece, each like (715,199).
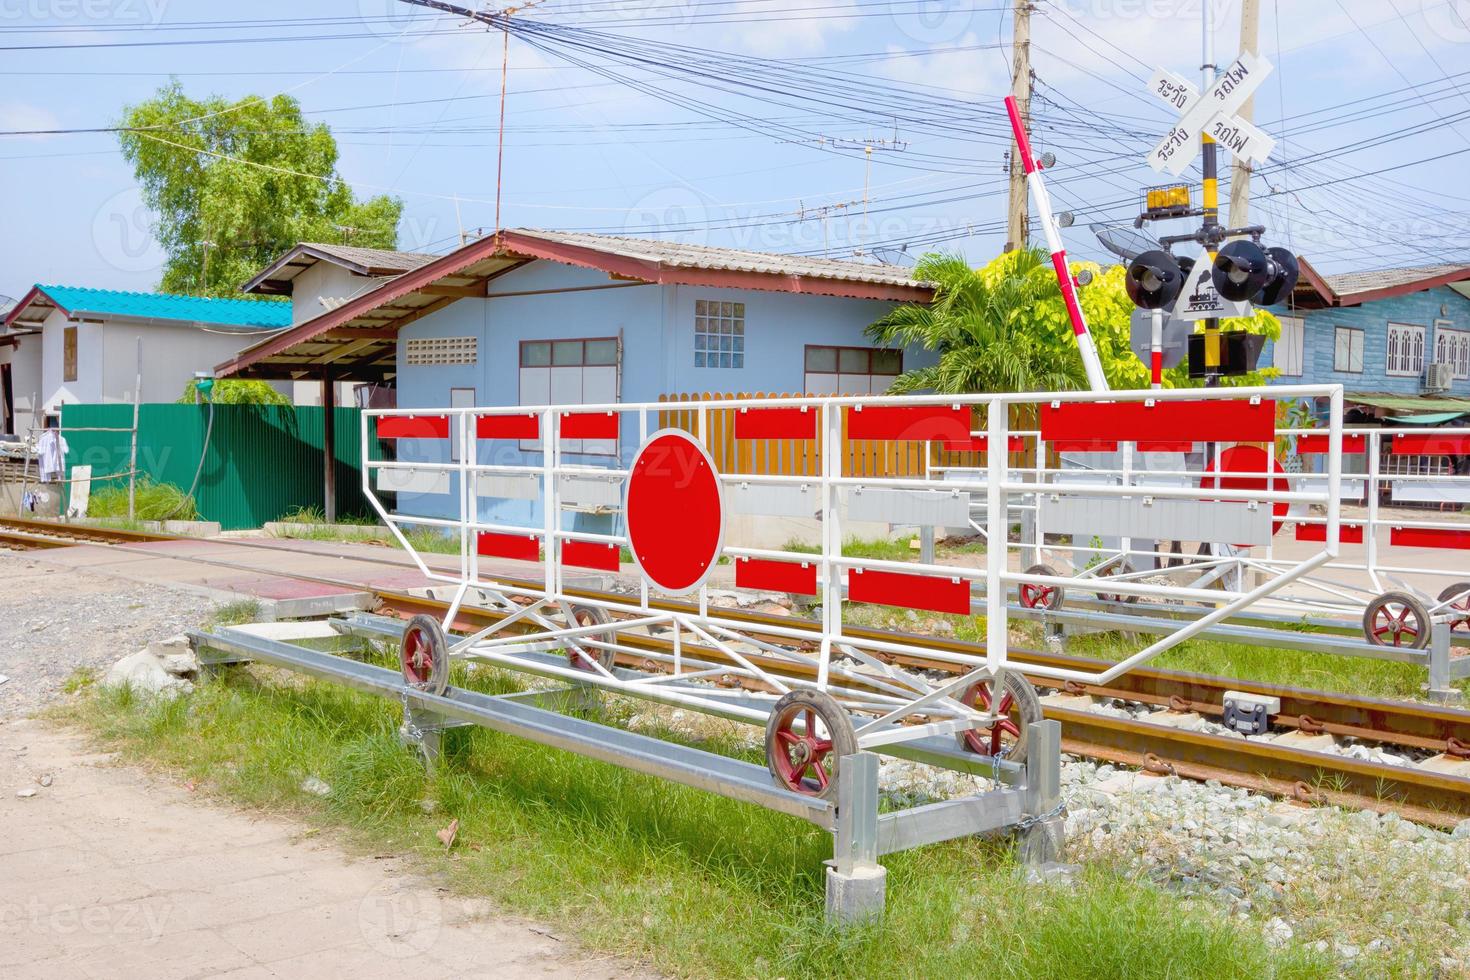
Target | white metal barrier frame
(849,668)
(1386,604)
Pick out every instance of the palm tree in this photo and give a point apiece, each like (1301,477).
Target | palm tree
(985,328)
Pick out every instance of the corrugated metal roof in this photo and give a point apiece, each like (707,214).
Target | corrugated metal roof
(1407,403)
(251,313)
(1347,283)
(686,256)
(374,258)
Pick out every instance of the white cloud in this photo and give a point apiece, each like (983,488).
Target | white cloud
(23,117)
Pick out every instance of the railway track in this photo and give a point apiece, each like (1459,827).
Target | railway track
(1299,760)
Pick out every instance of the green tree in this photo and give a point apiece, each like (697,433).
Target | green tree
(1004,327)
(234,184)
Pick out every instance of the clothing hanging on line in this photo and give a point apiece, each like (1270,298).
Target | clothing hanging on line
(51,452)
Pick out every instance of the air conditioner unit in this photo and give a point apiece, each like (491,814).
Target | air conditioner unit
(1438,375)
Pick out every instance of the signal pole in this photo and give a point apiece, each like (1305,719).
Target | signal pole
(1240,173)
(1211,199)
(1018,219)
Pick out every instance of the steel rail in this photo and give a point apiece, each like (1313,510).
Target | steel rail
(1429,796)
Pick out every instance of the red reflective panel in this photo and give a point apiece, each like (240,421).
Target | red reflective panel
(1182,446)
(1347,533)
(1318,444)
(589,425)
(590,554)
(931,592)
(675,517)
(776,576)
(1430,444)
(521,546)
(1249,459)
(776,423)
(1164,421)
(980,444)
(413,427)
(915,423)
(1085,446)
(1429,537)
(508,427)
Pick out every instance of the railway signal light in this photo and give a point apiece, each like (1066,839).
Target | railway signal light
(1154,280)
(1245,271)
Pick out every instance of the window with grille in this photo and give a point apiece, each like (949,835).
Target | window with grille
(425,351)
(1405,350)
(571,372)
(1288,349)
(719,334)
(851,370)
(1347,352)
(1452,347)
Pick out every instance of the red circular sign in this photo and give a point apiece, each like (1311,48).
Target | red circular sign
(1249,459)
(675,513)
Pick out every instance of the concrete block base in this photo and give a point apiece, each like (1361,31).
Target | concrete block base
(856,898)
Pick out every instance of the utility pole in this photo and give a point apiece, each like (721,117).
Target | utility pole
(1018,216)
(1240,174)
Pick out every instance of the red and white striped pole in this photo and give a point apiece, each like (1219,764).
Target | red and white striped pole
(1090,361)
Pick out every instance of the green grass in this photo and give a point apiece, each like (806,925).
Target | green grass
(890,549)
(1292,668)
(315,515)
(633,866)
(154,502)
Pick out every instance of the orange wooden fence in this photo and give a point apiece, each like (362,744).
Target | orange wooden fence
(802,457)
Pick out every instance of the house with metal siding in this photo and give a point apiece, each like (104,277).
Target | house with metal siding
(532,317)
(1380,335)
(74,345)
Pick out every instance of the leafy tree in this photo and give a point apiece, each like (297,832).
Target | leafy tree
(234,184)
(236,391)
(1004,327)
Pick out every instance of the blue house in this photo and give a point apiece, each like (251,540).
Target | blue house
(540,317)
(1398,340)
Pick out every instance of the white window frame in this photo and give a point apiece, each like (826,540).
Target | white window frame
(1404,350)
(850,381)
(1452,345)
(1291,348)
(1355,338)
(567,383)
(719,334)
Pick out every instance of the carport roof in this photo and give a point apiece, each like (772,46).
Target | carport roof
(357,340)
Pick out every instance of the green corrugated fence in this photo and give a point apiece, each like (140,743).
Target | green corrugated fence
(263,461)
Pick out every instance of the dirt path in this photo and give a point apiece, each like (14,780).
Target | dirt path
(108,872)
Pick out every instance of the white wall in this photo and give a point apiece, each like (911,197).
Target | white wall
(107,361)
(326,280)
(55,389)
(172,354)
(25,376)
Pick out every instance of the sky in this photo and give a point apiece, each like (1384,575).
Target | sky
(744,123)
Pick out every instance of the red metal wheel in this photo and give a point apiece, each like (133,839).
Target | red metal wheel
(1397,619)
(1458,607)
(424,655)
(1036,596)
(1109,572)
(807,735)
(590,616)
(1019,706)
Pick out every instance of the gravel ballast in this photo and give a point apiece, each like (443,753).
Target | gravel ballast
(54,621)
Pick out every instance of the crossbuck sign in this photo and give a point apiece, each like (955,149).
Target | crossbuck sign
(1212,113)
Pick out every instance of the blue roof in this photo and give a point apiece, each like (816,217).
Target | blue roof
(257,313)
